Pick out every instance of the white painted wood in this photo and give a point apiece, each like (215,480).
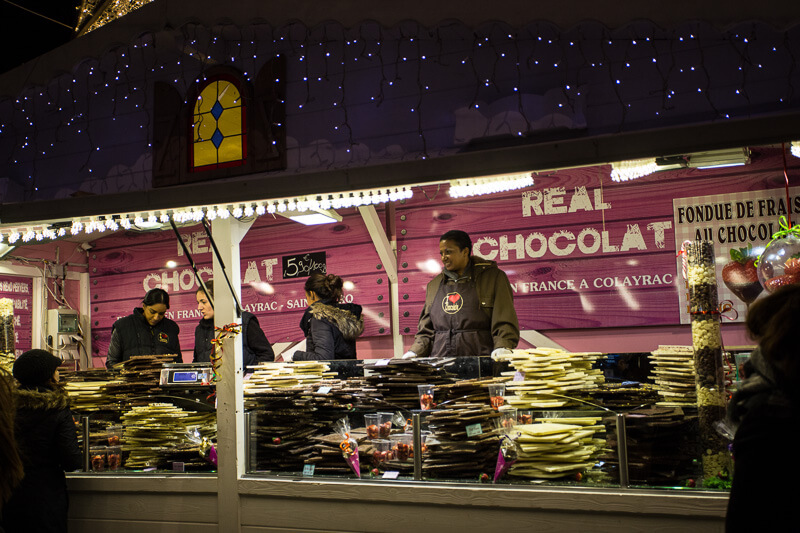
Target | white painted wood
(384,248)
(19,270)
(38,300)
(387,252)
(375,506)
(132,503)
(85,314)
(120,504)
(539,340)
(227,234)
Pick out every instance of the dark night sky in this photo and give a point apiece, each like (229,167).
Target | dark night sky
(25,36)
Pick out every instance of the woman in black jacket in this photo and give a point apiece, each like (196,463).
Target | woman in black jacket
(145,331)
(331,328)
(765,412)
(255,346)
(48,444)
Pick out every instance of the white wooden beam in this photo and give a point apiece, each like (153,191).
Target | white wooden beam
(539,340)
(227,234)
(387,252)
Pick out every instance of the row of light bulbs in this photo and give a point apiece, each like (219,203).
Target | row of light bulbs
(489,185)
(458,189)
(637,168)
(196,214)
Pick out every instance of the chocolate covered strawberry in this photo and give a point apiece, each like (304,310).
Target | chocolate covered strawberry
(780,281)
(740,275)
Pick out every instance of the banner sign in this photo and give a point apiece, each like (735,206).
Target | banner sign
(742,222)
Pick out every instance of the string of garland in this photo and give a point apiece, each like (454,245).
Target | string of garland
(229,331)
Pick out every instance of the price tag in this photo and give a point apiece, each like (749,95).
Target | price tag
(382,362)
(323,390)
(177,466)
(474,429)
(391,474)
(308,470)
(519,376)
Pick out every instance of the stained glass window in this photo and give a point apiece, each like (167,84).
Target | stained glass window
(218,126)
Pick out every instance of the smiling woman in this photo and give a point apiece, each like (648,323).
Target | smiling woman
(469,307)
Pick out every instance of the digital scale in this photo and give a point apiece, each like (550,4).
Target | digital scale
(188,386)
(186,375)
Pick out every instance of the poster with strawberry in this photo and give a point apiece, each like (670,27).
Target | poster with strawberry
(741,276)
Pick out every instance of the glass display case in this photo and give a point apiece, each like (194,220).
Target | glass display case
(597,420)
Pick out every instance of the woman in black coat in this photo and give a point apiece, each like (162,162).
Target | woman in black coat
(48,445)
(331,328)
(146,331)
(765,412)
(255,346)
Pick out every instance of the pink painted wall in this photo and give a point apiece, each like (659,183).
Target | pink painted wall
(125,266)
(622,317)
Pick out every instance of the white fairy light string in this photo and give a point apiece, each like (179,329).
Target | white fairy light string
(489,185)
(636,168)
(146,220)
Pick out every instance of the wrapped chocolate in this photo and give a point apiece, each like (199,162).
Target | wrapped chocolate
(349,446)
(508,453)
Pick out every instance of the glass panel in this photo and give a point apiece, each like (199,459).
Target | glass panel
(205,153)
(204,127)
(229,95)
(293,430)
(230,122)
(230,149)
(207,98)
(217,125)
(145,414)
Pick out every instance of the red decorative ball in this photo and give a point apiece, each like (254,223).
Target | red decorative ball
(779,265)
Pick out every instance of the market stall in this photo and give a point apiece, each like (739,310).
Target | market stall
(167,168)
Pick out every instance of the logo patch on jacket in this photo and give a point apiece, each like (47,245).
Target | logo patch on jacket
(163,337)
(452,303)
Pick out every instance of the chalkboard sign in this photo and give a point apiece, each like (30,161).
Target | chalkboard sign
(301,266)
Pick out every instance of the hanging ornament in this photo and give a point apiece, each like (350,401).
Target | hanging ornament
(779,265)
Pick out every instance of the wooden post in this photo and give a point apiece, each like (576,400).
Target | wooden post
(227,234)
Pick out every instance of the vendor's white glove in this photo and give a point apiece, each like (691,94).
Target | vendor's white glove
(409,355)
(500,352)
(287,357)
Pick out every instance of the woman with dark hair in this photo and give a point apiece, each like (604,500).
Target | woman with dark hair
(255,346)
(330,327)
(48,445)
(469,307)
(765,413)
(145,332)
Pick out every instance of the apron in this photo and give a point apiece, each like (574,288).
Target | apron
(460,327)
